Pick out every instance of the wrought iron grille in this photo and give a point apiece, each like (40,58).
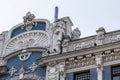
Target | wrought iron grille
(82,76)
(115,73)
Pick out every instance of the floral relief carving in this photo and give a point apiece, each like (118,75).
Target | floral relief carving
(28,21)
(80,61)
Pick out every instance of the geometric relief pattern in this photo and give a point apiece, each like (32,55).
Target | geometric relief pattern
(112,56)
(27,40)
(80,61)
(88,60)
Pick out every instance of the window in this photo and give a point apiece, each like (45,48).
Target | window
(116,73)
(82,76)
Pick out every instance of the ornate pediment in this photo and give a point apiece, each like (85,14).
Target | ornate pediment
(31,39)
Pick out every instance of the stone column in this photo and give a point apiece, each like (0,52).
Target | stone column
(62,70)
(55,71)
(99,66)
(52,71)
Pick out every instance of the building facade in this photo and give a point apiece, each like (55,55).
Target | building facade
(37,49)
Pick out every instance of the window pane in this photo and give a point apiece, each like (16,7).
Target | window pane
(116,78)
(82,76)
(115,73)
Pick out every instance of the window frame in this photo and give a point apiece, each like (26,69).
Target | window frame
(82,72)
(117,74)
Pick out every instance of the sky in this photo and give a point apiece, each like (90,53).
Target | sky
(87,15)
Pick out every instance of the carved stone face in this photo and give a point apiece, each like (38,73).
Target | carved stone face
(57,38)
(100,34)
(98,60)
(52,70)
(76,33)
(58,34)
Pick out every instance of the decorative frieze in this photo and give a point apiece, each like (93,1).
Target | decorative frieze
(113,56)
(80,61)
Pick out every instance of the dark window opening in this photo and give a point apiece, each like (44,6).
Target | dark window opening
(82,76)
(115,73)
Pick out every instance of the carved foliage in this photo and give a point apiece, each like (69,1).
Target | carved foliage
(28,21)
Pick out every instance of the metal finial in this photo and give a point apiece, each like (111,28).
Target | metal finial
(56,14)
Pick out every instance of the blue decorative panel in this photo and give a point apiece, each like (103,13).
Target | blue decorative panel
(40,26)
(17,31)
(93,74)
(70,76)
(17,63)
(107,73)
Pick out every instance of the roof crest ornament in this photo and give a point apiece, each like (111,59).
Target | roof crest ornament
(28,21)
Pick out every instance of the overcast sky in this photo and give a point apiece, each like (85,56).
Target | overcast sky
(87,15)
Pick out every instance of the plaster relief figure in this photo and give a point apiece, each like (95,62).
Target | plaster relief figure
(99,67)
(99,61)
(100,33)
(21,73)
(33,67)
(52,71)
(12,71)
(76,34)
(57,38)
(62,71)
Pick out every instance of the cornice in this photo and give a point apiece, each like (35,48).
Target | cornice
(85,51)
